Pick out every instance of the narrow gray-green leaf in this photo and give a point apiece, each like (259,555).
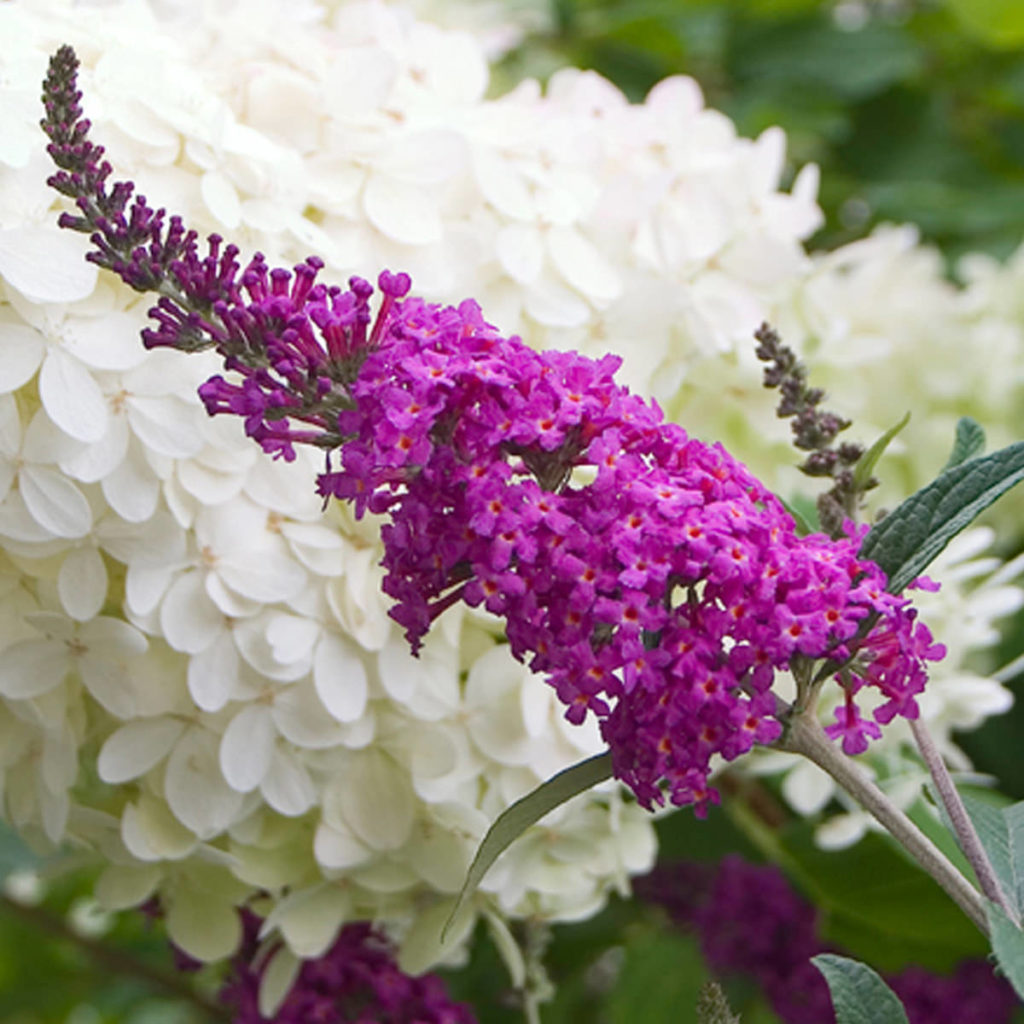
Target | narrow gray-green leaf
(867,462)
(991,824)
(1014,818)
(803,524)
(906,541)
(969,442)
(1008,946)
(859,996)
(527,811)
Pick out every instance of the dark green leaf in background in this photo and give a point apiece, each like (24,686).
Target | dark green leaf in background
(998,23)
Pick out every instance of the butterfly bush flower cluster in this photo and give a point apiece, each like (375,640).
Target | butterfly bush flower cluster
(648,576)
(751,922)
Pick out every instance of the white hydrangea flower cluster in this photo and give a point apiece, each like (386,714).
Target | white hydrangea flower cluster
(198,677)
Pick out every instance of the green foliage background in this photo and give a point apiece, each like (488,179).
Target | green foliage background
(915,112)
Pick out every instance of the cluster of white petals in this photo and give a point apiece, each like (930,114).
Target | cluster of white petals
(198,677)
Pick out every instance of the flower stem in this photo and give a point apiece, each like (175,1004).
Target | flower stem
(963,827)
(805,736)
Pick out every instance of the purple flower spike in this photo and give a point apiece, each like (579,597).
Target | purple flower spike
(355,982)
(651,579)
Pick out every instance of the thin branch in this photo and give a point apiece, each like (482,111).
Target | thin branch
(805,736)
(114,960)
(963,827)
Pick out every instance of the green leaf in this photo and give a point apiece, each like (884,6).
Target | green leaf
(527,811)
(906,541)
(876,904)
(867,462)
(1008,946)
(1001,831)
(803,524)
(859,995)
(660,979)
(998,23)
(969,442)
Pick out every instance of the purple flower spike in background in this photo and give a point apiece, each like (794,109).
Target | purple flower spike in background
(355,982)
(750,921)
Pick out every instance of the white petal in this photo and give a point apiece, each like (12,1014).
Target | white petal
(555,306)
(165,425)
(310,920)
(807,788)
(111,683)
(132,489)
(583,265)
(108,342)
(359,79)
(90,463)
(278,977)
(520,250)
(423,157)
(302,720)
(227,601)
(45,265)
(246,747)
(33,667)
(502,184)
(150,832)
(136,747)
(338,849)
(213,673)
(292,637)
(189,619)
(441,857)
(376,800)
(421,946)
(264,575)
(16,523)
(221,199)
(340,678)
(82,583)
(121,886)
(110,637)
(287,786)
(207,929)
(197,794)
(145,585)
(72,399)
(21,350)
(54,502)
(405,213)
